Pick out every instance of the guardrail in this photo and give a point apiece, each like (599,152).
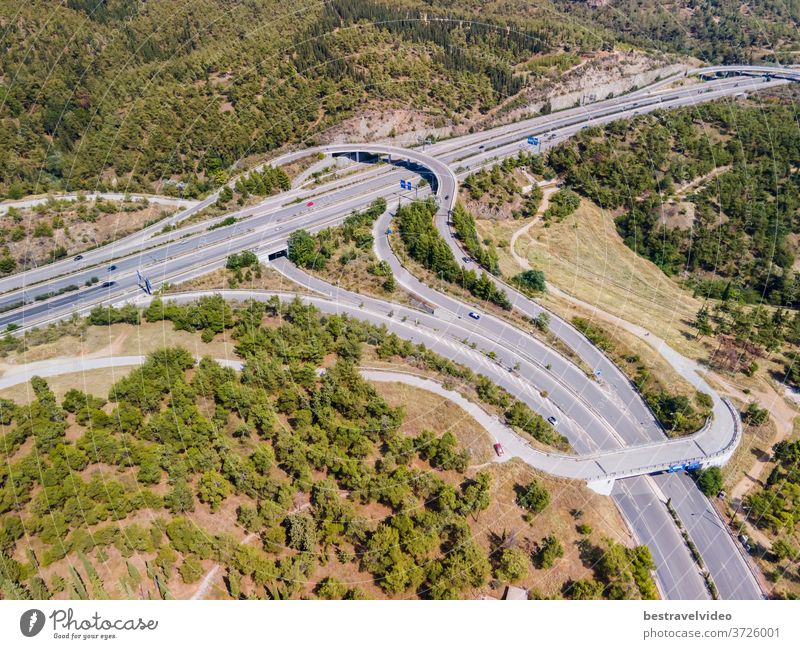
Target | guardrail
(554,376)
(657,467)
(563,322)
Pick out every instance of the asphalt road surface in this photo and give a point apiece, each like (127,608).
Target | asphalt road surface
(594,423)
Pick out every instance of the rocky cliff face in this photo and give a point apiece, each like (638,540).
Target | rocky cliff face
(596,77)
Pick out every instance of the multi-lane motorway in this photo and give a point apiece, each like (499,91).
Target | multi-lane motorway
(606,420)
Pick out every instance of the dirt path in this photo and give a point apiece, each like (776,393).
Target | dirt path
(781,412)
(205,586)
(548,190)
(702,180)
(112,349)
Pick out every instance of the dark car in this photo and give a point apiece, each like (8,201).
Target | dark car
(112,267)
(745,541)
(466,260)
(77,258)
(498,448)
(474,315)
(107,284)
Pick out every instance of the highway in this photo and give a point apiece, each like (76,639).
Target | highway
(146,250)
(602,454)
(642,505)
(470,151)
(604,419)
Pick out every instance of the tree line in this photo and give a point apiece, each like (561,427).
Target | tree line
(741,234)
(426,246)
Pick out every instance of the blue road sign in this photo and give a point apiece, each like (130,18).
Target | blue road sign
(403,184)
(408,185)
(532,139)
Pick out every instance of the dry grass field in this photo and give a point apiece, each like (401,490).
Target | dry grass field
(584,256)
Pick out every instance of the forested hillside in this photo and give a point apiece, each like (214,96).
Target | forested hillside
(718,31)
(98,93)
(94,91)
(711,192)
(293,478)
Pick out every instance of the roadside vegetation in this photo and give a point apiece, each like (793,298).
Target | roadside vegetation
(60,228)
(736,232)
(464,226)
(679,413)
(343,255)
(114,495)
(425,245)
(356,267)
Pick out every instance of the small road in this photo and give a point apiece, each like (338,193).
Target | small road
(548,189)
(635,429)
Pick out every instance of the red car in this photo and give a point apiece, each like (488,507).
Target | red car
(310,204)
(498,448)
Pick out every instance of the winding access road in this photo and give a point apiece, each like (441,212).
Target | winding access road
(603,419)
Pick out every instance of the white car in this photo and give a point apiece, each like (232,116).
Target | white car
(552,421)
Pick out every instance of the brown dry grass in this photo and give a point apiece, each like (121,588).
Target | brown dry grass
(428,411)
(296,167)
(223,279)
(585,256)
(123,340)
(78,234)
(749,463)
(354,275)
(504,515)
(627,344)
(95,382)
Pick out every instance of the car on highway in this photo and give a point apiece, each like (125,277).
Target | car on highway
(745,541)
(112,267)
(482,146)
(466,260)
(498,448)
(310,204)
(388,230)
(474,315)
(107,284)
(77,258)
(552,421)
